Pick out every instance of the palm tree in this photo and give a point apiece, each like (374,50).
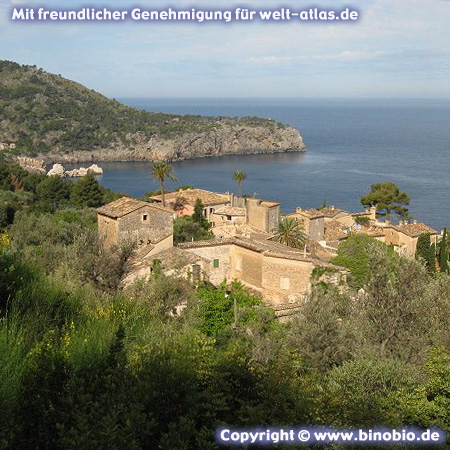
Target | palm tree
(160,170)
(239,176)
(290,233)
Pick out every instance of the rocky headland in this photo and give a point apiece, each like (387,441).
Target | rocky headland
(223,140)
(48,117)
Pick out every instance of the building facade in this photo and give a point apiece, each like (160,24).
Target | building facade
(148,226)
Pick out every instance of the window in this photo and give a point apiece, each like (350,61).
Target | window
(228,217)
(215,263)
(144,217)
(284,283)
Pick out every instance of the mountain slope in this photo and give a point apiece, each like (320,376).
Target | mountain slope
(45,114)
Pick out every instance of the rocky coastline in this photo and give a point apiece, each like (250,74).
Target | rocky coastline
(221,141)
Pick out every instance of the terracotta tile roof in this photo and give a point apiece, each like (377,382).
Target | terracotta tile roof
(175,258)
(334,231)
(311,213)
(208,198)
(230,211)
(328,211)
(371,231)
(413,229)
(269,204)
(124,206)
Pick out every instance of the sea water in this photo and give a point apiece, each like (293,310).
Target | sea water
(350,145)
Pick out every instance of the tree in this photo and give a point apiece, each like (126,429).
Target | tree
(186,230)
(53,190)
(387,198)
(426,251)
(239,176)
(393,312)
(87,192)
(354,254)
(443,253)
(290,233)
(160,171)
(198,217)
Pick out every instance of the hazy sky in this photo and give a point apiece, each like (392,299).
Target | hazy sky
(398,48)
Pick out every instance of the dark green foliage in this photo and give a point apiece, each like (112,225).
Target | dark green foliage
(443,253)
(322,334)
(217,307)
(290,232)
(365,389)
(362,220)
(43,111)
(354,254)
(387,198)
(53,191)
(87,192)
(432,266)
(198,216)
(32,181)
(186,230)
(426,251)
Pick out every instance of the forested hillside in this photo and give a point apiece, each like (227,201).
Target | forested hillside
(40,111)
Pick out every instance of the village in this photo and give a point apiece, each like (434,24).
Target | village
(243,247)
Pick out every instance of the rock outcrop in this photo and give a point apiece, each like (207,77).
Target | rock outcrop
(82,171)
(222,139)
(31,164)
(58,170)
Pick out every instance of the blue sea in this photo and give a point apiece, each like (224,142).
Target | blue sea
(350,145)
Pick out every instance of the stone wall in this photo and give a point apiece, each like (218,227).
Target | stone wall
(108,230)
(222,253)
(246,266)
(145,225)
(316,230)
(273,218)
(284,280)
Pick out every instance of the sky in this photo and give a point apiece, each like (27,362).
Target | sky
(397,49)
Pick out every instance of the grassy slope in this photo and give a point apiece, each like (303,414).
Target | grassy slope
(42,111)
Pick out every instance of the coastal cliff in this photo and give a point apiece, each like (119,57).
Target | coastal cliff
(47,116)
(224,139)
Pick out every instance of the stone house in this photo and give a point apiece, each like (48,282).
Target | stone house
(320,223)
(262,215)
(147,225)
(404,237)
(280,274)
(182,202)
(312,222)
(228,215)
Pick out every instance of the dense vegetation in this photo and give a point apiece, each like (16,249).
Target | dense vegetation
(42,111)
(86,364)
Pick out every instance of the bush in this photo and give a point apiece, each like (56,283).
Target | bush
(186,230)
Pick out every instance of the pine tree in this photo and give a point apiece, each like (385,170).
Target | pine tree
(53,190)
(443,253)
(87,192)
